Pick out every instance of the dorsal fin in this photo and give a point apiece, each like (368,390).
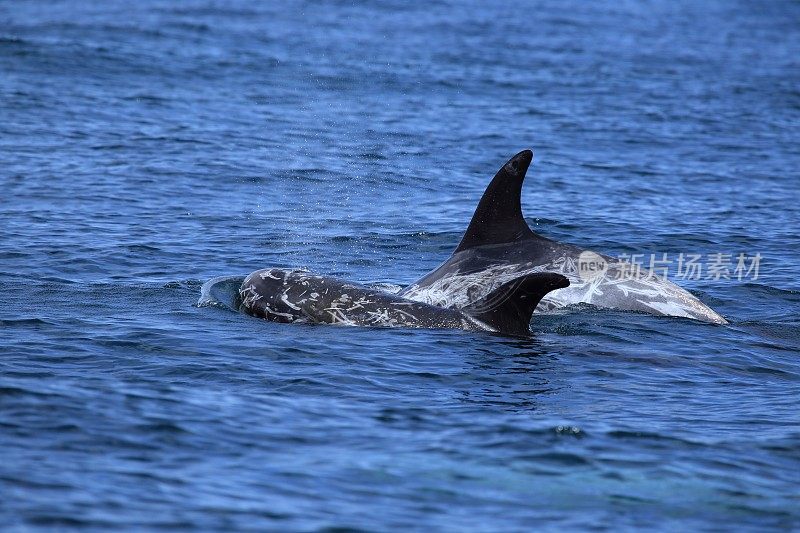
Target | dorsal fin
(508,308)
(498,217)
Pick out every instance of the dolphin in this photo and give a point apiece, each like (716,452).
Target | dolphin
(498,246)
(299,296)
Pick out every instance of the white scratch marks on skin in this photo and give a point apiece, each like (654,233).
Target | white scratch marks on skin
(459,290)
(249,295)
(406,314)
(359,304)
(617,285)
(338,317)
(381,317)
(667,308)
(285,299)
(269,311)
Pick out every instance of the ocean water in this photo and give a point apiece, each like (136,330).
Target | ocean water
(147,147)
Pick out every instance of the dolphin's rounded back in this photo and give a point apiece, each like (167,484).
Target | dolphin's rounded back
(262,294)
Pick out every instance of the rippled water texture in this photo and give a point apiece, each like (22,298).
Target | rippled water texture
(147,147)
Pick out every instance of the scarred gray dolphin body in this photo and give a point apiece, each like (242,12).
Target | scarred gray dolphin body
(498,246)
(299,296)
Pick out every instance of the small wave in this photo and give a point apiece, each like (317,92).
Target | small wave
(649,435)
(186,283)
(561,459)
(23,322)
(222,292)
(392,288)
(10,39)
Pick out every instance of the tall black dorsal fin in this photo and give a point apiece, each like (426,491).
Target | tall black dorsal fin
(508,308)
(498,217)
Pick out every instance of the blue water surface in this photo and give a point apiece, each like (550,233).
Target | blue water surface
(146,147)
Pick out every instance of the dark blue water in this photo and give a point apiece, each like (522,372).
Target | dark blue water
(146,147)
